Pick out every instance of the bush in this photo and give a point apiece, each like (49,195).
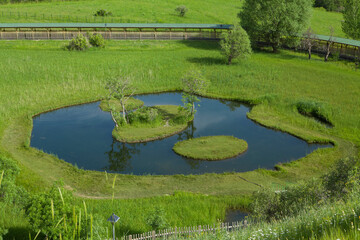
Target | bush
(157,219)
(102,13)
(97,40)
(79,43)
(342,179)
(144,115)
(54,214)
(181,10)
(273,205)
(9,192)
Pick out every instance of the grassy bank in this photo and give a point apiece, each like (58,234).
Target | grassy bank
(211,11)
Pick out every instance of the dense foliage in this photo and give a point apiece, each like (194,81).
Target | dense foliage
(148,115)
(333,186)
(351,23)
(275,22)
(54,214)
(235,43)
(79,43)
(330,5)
(97,40)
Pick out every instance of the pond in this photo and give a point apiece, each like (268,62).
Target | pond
(235,215)
(82,136)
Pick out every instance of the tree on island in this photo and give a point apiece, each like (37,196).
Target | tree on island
(351,13)
(118,88)
(194,83)
(275,22)
(235,43)
(309,40)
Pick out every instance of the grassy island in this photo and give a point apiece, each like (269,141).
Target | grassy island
(211,148)
(131,104)
(152,123)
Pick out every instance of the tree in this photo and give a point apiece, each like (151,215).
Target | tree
(309,40)
(235,43)
(351,13)
(117,88)
(181,10)
(275,22)
(193,83)
(329,44)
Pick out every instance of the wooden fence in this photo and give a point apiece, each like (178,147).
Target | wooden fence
(116,35)
(187,231)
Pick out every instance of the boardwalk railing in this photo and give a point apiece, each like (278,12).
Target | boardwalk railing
(187,231)
(156,31)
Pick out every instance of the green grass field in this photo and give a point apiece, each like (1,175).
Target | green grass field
(210,11)
(37,76)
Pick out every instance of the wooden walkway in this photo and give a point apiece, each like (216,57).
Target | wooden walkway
(117,31)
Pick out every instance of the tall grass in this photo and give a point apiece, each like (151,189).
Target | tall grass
(331,221)
(180,209)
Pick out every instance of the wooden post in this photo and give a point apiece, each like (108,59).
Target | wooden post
(170,33)
(17,33)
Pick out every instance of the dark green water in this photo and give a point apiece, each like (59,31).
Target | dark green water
(81,135)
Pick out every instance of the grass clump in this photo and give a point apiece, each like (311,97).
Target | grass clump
(151,123)
(131,104)
(211,148)
(314,109)
(102,13)
(181,10)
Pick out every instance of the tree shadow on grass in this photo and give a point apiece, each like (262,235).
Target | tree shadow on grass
(202,44)
(207,60)
(18,233)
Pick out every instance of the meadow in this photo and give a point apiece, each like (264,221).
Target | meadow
(210,11)
(38,76)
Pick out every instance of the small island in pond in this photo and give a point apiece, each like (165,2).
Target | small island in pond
(136,123)
(211,148)
(151,123)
